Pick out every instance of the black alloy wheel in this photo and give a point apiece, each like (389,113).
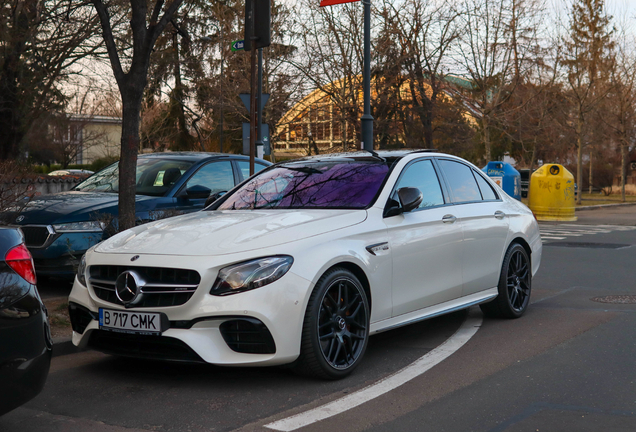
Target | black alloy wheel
(515,284)
(336,327)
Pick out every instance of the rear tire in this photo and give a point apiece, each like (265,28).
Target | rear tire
(515,285)
(336,327)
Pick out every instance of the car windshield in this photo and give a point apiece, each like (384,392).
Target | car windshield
(337,184)
(154,177)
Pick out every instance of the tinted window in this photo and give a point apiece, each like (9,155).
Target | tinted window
(149,177)
(486,189)
(244,166)
(422,175)
(217,176)
(461,181)
(316,184)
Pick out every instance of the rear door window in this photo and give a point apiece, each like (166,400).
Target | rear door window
(487,191)
(244,166)
(461,181)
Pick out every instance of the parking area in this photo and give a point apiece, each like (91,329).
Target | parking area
(567,360)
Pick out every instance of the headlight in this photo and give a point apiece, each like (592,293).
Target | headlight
(251,274)
(88,226)
(81,271)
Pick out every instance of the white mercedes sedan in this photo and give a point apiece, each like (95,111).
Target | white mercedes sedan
(302,262)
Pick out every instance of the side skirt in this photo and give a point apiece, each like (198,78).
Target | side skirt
(433,311)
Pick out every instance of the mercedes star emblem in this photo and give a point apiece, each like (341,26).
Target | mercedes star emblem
(128,287)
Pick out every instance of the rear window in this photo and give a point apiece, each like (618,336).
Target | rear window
(328,184)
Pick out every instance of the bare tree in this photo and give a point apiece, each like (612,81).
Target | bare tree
(332,59)
(40,43)
(426,32)
(621,102)
(497,44)
(145,26)
(587,49)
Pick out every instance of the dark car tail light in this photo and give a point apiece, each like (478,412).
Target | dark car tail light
(20,260)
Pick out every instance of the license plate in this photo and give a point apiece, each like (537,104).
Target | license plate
(130,322)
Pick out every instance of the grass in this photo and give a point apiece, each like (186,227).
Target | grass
(58,316)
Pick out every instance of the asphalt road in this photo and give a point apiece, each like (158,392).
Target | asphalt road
(567,365)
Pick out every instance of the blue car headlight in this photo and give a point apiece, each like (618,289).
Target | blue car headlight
(251,274)
(87,226)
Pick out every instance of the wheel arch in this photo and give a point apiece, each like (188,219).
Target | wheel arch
(359,273)
(524,244)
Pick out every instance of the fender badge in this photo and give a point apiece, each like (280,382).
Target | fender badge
(378,248)
(135,258)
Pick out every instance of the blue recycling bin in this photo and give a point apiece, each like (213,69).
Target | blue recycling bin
(505,176)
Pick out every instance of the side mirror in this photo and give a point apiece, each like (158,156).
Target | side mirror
(214,197)
(410,198)
(198,192)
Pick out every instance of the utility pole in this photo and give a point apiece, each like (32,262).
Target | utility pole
(257,36)
(259,95)
(367,119)
(222,92)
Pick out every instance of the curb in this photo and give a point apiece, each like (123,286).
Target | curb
(600,206)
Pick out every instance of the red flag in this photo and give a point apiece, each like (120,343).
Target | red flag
(335,2)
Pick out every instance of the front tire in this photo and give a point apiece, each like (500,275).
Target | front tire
(336,326)
(515,284)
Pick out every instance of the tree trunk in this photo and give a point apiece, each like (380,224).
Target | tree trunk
(590,178)
(579,158)
(486,138)
(128,162)
(623,166)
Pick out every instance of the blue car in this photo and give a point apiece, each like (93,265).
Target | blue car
(59,228)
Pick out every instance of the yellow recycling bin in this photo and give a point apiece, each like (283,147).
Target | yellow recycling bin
(551,194)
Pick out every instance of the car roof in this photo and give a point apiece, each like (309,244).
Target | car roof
(391,155)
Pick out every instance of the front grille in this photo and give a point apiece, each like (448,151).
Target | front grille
(248,335)
(142,346)
(80,317)
(163,286)
(35,236)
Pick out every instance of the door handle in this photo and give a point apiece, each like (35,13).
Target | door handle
(499,214)
(449,218)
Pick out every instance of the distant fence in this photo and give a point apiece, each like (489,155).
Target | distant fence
(45,185)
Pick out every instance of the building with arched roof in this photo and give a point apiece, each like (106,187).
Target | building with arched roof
(322,122)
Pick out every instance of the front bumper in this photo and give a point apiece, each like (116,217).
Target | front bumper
(253,328)
(61,256)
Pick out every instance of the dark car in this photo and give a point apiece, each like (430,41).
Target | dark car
(25,337)
(59,228)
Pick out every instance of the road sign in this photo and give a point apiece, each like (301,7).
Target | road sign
(257,24)
(245,97)
(266,143)
(335,2)
(238,45)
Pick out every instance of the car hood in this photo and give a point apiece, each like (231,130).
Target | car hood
(70,206)
(229,231)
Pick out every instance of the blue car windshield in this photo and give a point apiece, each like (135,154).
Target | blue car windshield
(154,177)
(337,184)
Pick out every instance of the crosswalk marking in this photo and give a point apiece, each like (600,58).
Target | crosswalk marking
(563,231)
